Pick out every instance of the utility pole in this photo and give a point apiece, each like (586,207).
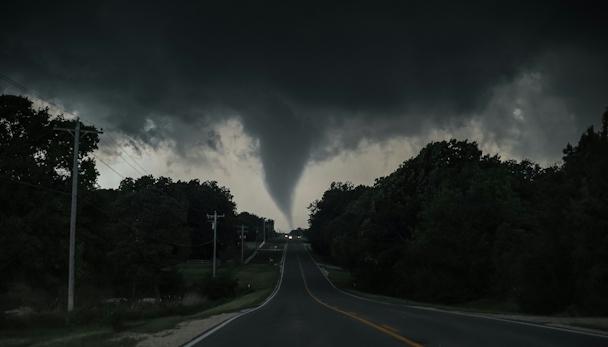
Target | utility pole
(76,133)
(271,234)
(264,228)
(242,242)
(215,217)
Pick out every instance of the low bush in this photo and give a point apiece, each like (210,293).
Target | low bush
(171,283)
(246,290)
(47,320)
(219,287)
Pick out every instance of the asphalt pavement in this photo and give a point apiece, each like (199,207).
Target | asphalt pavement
(308,311)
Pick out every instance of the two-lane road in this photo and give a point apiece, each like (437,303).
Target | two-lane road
(308,311)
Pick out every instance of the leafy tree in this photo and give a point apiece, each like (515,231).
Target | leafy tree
(153,234)
(452,249)
(586,169)
(202,199)
(322,212)
(252,224)
(35,167)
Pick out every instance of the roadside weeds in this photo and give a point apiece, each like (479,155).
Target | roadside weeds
(596,325)
(174,330)
(342,280)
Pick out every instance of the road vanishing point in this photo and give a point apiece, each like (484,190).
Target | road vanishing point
(307,310)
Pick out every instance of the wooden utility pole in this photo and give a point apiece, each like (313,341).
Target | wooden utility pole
(215,217)
(242,242)
(76,133)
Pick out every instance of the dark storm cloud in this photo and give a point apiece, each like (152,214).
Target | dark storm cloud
(299,74)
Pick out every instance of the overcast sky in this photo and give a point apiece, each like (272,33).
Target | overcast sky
(277,99)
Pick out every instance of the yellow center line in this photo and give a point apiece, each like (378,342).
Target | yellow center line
(385,329)
(391,328)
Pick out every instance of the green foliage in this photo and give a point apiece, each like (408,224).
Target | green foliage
(157,238)
(253,226)
(451,225)
(202,199)
(171,283)
(544,284)
(35,166)
(323,211)
(102,315)
(224,285)
(596,288)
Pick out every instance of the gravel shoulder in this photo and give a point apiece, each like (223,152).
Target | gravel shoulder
(583,324)
(182,334)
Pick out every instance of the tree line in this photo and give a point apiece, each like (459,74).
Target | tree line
(452,225)
(128,240)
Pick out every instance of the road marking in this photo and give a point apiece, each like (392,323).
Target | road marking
(570,330)
(391,328)
(218,327)
(373,325)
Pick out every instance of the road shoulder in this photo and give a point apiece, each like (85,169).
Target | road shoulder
(589,325)
(180,335)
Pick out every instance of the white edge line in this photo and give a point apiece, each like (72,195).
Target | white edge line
(439,310)
(218,327)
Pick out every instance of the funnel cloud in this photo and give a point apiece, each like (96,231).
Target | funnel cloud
(285,140)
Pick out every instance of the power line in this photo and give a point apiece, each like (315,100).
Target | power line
(25,89)
(123,150)
(127,154)
(93,154)
(122,157)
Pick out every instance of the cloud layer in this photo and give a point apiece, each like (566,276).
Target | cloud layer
(311,80)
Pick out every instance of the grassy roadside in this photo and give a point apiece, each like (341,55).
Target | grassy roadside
(82,336)
(505,308)
(318,258)
(270,253)
(256,283)
(344,281)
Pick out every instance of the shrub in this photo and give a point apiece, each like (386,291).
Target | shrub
(191,299)
(171,282)
(597,287)
(116,319)
(545,286)
(222,286)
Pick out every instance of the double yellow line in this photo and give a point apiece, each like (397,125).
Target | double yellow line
(354,315)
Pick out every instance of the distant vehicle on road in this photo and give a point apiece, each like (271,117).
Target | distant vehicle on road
(290,237)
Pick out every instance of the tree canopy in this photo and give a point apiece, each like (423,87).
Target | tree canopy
(452,225)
